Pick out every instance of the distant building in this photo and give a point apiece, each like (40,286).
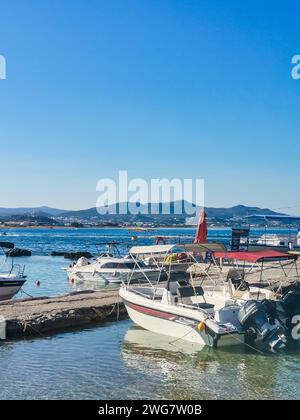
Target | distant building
(191,221)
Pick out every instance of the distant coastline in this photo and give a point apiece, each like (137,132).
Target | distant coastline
(135,229)
(217,218)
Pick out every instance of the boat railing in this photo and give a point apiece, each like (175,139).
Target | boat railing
(139,266)
(18,269)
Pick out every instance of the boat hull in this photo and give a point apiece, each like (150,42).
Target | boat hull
(175,326)
(117,277)
(9,288)
(163,326)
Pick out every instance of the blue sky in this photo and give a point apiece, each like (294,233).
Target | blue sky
(162,88)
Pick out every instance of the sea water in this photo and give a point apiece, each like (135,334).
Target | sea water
(118,360)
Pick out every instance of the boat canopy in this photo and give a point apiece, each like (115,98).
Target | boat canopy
(160,249)
(253,257)
(151,249)
(206,247)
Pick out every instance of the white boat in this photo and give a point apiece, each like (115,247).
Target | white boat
(10,285)
(162,311)
(276,241)
(110,267)
(11,281)
(204,317)
(109,270)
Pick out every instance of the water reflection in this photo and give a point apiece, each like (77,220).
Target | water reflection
(206,373)
(84,285)
(118,361)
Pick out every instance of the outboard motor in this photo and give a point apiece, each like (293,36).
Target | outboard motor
(286,308)
(253,316)
(291,303)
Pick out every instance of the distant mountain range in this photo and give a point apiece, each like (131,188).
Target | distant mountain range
(34,211)
(238,211)
(212,212)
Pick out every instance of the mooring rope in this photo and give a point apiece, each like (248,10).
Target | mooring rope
(180,338)
(22,290)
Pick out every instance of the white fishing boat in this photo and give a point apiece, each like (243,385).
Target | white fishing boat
(187,311)
(109,270)
(179,314)
(110,267)
(11,281)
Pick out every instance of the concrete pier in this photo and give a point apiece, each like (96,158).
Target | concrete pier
(41,316)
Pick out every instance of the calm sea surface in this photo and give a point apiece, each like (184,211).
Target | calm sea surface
(118,360)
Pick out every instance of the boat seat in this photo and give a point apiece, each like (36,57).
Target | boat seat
(235,275)
(185,294)
(189,291)
(174,285)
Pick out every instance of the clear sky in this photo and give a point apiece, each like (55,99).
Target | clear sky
(162,88)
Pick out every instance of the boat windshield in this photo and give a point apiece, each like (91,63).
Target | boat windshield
(117,265)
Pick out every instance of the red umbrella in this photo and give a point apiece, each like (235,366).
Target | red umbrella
(201,234)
